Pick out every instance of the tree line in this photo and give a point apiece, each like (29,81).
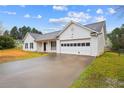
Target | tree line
(19,33)
(9,38)
(117,38)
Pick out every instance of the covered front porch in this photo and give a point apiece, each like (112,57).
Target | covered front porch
(46,46)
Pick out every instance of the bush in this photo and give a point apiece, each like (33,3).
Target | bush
(6,42)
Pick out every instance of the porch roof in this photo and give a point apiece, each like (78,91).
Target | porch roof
(48,36)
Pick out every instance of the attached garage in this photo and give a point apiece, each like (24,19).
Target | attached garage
(80,47)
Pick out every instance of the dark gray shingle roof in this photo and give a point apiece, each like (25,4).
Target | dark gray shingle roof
(35,35)
(48,36)
(96,26)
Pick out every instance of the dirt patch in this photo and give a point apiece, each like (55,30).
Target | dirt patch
(13,52)
(16,54)
(6,58)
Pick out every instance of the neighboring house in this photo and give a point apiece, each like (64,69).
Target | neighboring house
(74,38)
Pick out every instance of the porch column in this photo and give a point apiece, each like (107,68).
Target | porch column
(49,46)
(58,46)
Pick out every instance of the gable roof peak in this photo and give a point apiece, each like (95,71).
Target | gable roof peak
(97,26)
(34,35)
(97,22)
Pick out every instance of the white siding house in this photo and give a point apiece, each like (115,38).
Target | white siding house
(74,38)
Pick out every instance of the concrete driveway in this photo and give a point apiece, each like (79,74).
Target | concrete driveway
(48,71)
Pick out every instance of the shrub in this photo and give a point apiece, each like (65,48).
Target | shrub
(6,42)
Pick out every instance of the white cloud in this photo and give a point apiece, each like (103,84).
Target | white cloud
(75,16)
(80,15)
(8,12)
(63,20)
(100,18)
(54,28)
(88,10)
(111,10)
(37,17)
(60,8)
(27,16)
(99,11)
(59,20)
(47,30)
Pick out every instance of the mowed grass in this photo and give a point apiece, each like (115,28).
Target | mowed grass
(105,71)
(17,54)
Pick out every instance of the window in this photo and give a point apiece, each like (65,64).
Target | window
(82,44)
(26,45)
(74,44)
(78,44)
(67,44)
(53,45)
(64,44)
(87,44)
(71,44)
(61,44)
(31,45)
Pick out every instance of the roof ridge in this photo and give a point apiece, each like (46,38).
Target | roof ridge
(34,33)
(51,32)
(96,23)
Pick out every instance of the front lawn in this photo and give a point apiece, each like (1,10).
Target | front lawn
(105,71)
(17,54)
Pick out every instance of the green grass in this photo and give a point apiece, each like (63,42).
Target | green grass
(105,71)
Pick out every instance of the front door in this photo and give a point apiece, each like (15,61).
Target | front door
(44,46)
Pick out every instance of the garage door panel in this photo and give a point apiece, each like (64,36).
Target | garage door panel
(80,50)
(83,51)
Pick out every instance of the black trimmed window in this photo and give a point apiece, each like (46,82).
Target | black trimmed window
(31,46)
(26,45)
(82,44)
(88,44)
(61,44)
(53,45)
(67,44)
(79,44)
(75,44)
(64,44)
(71,44)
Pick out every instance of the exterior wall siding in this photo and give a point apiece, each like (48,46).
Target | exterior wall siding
(74,32)
(101,43)
(94,46)
(29,39)
(39,46)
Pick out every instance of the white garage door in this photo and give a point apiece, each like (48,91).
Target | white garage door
(80,47)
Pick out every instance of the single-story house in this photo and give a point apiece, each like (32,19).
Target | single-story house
(74,38)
